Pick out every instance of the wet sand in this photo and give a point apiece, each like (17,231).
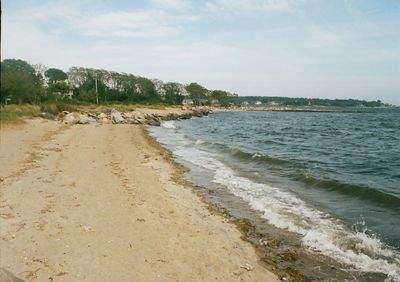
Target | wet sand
(98,203)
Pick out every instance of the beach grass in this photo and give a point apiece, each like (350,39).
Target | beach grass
(121,107)
(16,113)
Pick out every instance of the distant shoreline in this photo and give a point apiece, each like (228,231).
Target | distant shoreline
(322,109)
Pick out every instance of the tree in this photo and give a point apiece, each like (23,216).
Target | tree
(20,82)
(55,75)
(17,86)
(173,94)
(197,92)
(221,96)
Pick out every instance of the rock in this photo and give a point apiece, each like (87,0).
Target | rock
(105,120)
(46,115)
(131,118)
(92,116)
(71,118)
(101,115)
(128,115)
(108,111)
(116,117)
(62,115)
(84,119)
(154,122)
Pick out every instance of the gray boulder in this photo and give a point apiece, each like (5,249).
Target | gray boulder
(116,117)
(46,115)
(71,118)
(102,115)
(84,119)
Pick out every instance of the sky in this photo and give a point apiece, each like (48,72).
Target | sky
(294,48)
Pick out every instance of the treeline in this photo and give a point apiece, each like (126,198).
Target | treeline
(299,102)
(22,82)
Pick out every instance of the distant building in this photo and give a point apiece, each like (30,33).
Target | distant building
(202,102)
(245,103)
(69,95)
(187,101)
(215,102)
(258,103)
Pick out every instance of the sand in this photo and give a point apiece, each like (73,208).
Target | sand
(97,203)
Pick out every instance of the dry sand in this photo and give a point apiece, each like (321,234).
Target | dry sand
(97,203)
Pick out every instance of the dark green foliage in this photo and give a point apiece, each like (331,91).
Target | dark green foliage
(298,102)
(111,86)
(17,65)
(197,92)
(55,75)
(17,86)
(173,94)
(20,83)
(223,97)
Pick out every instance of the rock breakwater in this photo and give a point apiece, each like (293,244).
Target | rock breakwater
(146,117)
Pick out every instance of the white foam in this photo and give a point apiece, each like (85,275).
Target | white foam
(199,142)
(170,124)
(256,155)
(320,231)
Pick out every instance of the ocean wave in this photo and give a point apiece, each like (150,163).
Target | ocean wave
(352,190)
(170,124)
(253,156)
(200,142)
(355,191)
(320,232)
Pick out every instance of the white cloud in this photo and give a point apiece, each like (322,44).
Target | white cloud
(147,23)
(163,19)
(172,4)
(240,6)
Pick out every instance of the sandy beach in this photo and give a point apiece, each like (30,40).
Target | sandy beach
(98,203)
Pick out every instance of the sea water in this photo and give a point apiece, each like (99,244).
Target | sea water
(332,178)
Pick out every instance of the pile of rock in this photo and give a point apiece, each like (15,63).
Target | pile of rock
(135,117)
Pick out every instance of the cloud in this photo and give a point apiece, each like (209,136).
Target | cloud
(240,6)
(172,4)
(146,23)
(165,18)
(288,54)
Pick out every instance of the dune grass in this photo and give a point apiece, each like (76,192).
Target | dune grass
(12,114)
(16,113)
(122,107)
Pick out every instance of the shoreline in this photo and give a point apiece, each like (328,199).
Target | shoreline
(100,202)
(276,251)
(280,250)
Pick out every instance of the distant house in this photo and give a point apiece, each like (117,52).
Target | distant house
(215,102)
(202,101)
(187,101)
(69,95)
(245,103)
(258,103)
